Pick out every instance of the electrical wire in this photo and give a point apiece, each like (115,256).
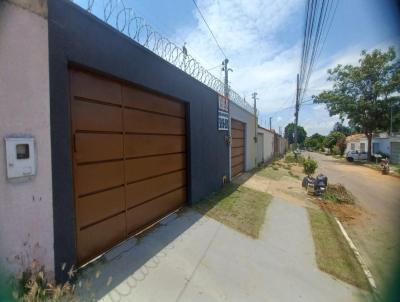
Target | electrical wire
(219,65)
(212,34)
(318,14)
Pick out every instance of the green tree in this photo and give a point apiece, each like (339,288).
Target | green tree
(339,127)
(334,138)
(363,93)
(314,142)
(289,134)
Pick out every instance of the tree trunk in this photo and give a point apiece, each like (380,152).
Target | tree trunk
(369,137)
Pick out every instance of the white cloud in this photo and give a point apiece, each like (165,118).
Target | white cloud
(248,31)
(253,36)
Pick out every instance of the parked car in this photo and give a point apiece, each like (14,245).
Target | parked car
(355,155)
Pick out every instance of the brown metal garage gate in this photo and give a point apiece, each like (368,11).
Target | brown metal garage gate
(237,148)
(129,160)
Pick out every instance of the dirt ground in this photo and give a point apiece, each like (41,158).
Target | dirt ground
(373,223)
(283,180)
(288,188)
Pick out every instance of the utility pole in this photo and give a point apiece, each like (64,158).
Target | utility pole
(185,53)
(296,114)
(226,82)
(254,96)
(270,123)
(226,94)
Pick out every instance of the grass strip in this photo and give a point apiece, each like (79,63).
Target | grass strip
(333,254)
(238,207)
(271,173)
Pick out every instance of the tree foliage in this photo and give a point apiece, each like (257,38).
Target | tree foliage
(309,166)
(364,94)
(339,127)
(289,134)
(314,142)
(335,139)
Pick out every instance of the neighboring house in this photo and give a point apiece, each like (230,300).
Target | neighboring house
(381,143)
(269,145)
(100,137)
(357,142)
(243,152)
(265,145)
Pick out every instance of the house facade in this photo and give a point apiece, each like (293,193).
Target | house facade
(270,145)
(265,145)
(381,143)
(101,137)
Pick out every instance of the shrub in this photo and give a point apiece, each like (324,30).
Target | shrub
(338,193)
(290,158)
(336,151)
(33,285)
(309,166)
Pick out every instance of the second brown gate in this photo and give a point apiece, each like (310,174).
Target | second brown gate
(237,147)
(129,154)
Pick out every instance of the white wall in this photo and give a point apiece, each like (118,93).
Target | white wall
(384,144)
(282,145)
(244,116)
(26,213)
(357,145)
(268,143)
(260,148)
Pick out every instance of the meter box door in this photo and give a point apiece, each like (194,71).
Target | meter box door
(20,156)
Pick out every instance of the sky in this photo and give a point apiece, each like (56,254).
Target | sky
(262,40)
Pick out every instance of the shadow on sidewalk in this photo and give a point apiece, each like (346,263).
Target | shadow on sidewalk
(134,259)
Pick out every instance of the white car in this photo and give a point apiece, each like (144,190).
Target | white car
(355,155)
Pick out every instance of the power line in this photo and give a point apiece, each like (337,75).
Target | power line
(215,39)
(219,65)
(284,104)
(329,28)
(318,15)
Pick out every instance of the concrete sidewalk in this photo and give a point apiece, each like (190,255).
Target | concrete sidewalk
(190,257)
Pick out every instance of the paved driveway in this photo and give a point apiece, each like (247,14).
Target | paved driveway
(189,257)
(377,234)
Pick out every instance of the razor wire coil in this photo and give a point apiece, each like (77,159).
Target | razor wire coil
(126,21)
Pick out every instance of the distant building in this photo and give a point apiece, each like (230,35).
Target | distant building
(381,143)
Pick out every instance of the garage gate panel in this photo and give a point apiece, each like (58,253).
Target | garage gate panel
(237,147)
(129,153)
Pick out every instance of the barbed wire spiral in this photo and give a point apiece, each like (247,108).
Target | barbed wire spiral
(125,20)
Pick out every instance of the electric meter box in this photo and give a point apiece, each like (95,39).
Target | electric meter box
(20,157)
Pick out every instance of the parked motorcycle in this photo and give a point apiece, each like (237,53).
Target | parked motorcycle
(385,166)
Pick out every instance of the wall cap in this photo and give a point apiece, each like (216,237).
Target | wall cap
(38,7)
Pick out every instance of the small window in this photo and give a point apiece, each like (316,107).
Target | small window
(22,151)
(353,146)
(362,147)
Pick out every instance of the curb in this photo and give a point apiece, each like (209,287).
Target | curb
(358,255)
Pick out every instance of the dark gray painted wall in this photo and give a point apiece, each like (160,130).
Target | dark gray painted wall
(76,37)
